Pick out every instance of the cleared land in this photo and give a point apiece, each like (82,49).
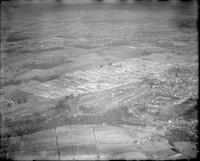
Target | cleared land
(99,81)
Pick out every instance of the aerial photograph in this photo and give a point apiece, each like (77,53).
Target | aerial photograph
(99,79)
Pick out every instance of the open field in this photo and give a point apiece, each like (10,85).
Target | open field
(99,80)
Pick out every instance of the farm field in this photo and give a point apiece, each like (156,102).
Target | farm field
(99,80)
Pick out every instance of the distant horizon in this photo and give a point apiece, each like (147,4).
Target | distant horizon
(103,1)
